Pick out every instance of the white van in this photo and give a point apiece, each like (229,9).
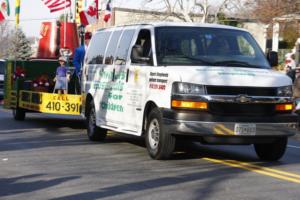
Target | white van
(204,81)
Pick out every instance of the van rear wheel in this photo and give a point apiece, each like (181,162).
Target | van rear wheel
(94,132)
(271,151)
(160,145)
(19,114)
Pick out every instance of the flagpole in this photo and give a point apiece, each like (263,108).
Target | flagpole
(17,12)
(65,26)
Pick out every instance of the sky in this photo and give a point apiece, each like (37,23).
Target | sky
(33,12)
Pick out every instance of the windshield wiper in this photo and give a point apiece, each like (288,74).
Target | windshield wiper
(197,59)
(235,63)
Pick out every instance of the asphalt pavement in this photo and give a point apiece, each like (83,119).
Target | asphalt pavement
(50,157)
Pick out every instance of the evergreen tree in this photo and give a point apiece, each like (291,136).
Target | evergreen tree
(20,48)
(5,35)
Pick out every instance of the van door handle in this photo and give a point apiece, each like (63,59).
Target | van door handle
(113,75)
(127,75)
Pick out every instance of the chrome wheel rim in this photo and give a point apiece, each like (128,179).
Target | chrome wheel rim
(153,134)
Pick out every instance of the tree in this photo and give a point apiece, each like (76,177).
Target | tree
(5,34)
(185,10)
(266,10)
(20,48)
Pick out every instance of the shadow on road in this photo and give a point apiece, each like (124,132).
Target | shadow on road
(204,191)
(22,184)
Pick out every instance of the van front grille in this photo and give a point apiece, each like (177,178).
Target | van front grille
(251,91)
(241,109)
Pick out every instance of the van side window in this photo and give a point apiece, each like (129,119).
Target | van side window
(123,47)
(109,56)
(142,49)
(96,54)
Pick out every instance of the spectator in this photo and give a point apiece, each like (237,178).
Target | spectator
(79,59)
(296,86)
(290,60)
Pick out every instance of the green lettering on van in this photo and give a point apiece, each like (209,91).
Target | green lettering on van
(112,107)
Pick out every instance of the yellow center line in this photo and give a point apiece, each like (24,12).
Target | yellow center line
(259,169)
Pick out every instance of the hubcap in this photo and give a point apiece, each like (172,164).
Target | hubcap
(153,134)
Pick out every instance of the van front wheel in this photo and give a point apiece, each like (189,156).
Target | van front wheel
(94,132)
(271,151)
(160,145)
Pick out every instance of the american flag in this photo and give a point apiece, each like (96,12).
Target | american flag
(57,5)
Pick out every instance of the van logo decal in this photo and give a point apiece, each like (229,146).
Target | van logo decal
(243,99)
(158,80)
(136,75)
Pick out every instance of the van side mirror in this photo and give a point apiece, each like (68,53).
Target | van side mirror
(136,55)
(272,57)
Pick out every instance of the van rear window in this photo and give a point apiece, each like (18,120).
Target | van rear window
(110,53)
(95,54)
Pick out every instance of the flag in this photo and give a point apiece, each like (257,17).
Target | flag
(17,12)
(90,14)
(107,13)
(4,10)
(79,7)
(57,5)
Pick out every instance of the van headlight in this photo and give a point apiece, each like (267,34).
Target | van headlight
(285,91)
(180,88)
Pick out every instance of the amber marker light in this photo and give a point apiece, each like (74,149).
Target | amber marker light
(189,104)
(284,107)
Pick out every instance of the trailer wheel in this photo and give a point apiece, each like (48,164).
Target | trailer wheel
(160,145)
(271,151)
(94,132)
(19,114)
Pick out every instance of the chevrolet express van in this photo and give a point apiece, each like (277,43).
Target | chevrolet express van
(205,81)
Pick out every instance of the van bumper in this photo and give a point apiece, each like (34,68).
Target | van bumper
(206,125)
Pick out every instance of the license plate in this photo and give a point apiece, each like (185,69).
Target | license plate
(245,129)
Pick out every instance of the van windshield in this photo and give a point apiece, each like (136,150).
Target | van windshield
(201,46)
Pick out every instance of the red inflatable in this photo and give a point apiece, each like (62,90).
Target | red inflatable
(52,39)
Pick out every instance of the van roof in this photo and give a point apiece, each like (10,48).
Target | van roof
(182,24)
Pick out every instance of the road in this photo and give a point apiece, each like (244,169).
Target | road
(50,157)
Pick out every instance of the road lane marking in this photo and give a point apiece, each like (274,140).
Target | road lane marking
(259,169)
(24,130)
(291,146)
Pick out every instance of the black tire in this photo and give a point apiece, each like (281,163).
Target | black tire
(271,151)
(160,145)
(94,132)
(19,114)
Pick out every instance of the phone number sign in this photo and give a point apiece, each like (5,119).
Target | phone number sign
(51,103)
(61,103)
